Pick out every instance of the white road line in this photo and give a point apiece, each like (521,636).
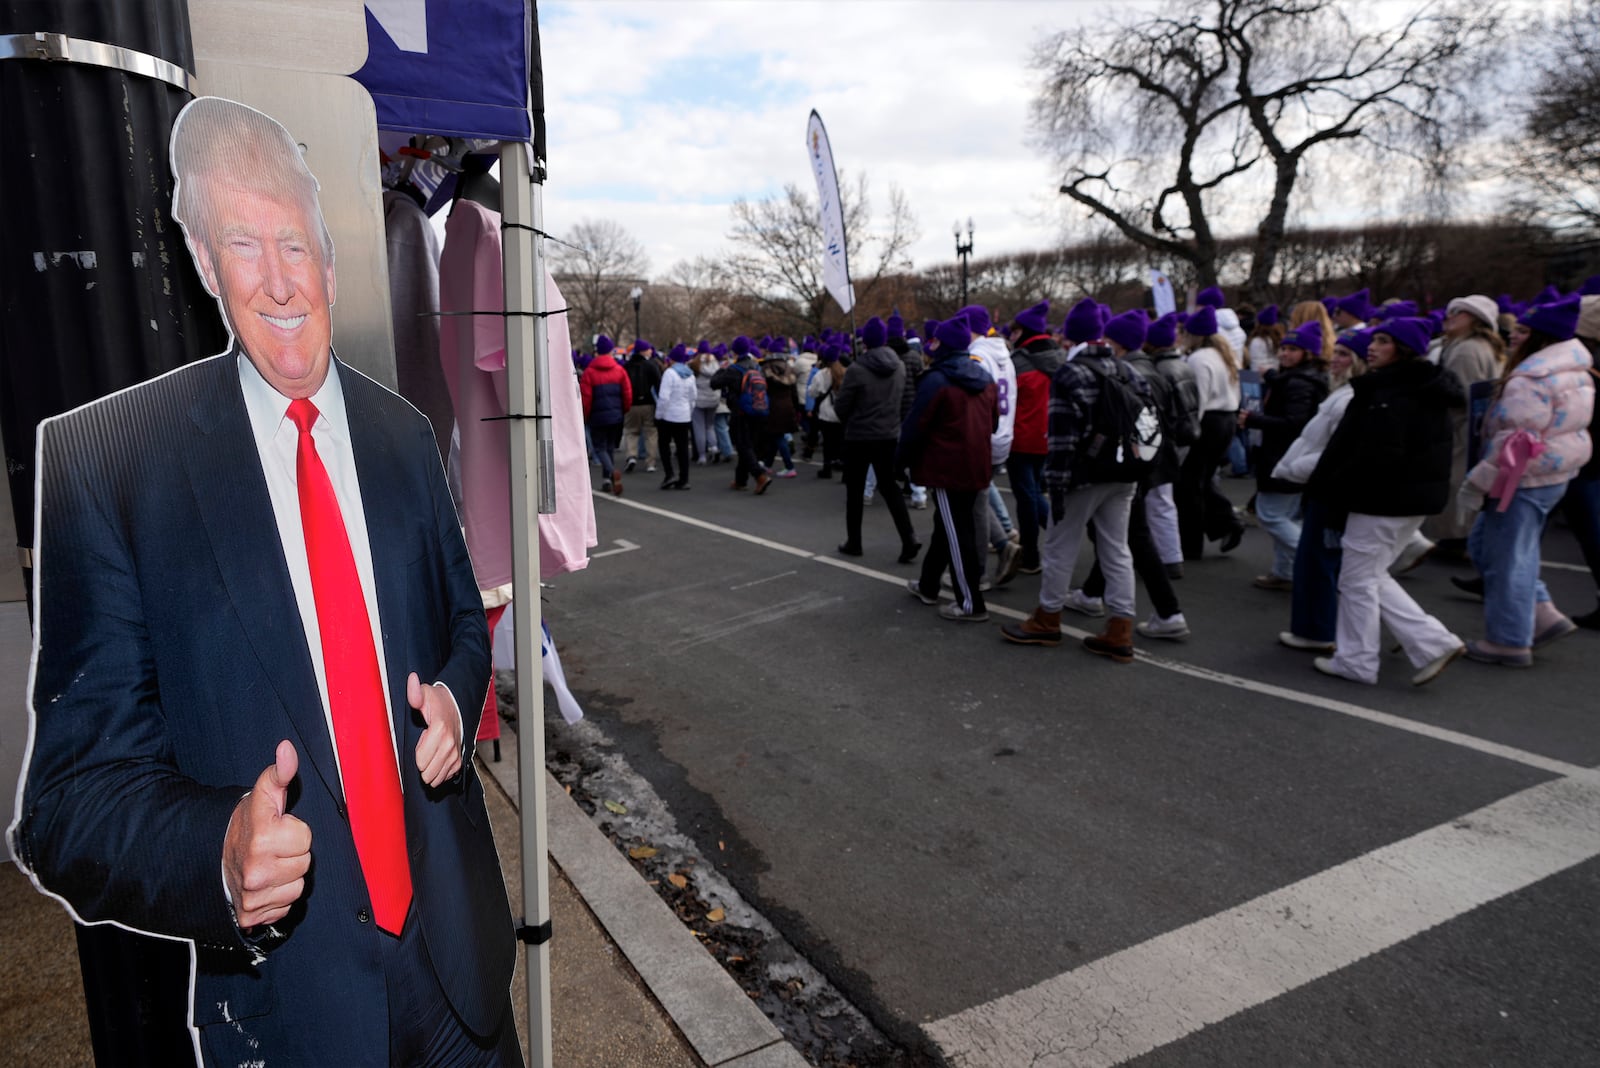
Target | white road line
(759,581)
(623,545)
(1139,999)
(1266,689)
(1563,567)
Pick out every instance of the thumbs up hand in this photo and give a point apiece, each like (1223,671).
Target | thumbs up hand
(267,852)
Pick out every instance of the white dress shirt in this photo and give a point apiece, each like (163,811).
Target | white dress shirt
(278,441)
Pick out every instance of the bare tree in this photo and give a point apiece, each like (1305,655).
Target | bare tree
(778,251)
(688,301)
(597,266)
(1158,121)
(1556,165)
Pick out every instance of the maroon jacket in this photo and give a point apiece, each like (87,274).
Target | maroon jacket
(945,438)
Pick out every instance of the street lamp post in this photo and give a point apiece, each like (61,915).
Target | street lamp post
(634,296)
(964,251)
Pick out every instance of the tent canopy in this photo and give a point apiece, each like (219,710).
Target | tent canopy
(461,68)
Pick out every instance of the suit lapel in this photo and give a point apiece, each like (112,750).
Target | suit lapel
(231,492)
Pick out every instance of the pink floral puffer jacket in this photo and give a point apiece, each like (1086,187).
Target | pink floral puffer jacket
(1550,395)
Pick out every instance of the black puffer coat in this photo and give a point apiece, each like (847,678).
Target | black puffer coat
(1292,396)
(1391,453)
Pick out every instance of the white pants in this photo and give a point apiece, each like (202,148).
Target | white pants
(1370,599)
(1107,505)
(1161,515)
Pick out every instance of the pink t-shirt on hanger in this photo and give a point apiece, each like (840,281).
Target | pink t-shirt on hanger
(472,351)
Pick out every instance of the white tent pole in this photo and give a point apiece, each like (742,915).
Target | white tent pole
(526,342)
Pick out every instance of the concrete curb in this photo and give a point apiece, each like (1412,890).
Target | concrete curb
(712,1011)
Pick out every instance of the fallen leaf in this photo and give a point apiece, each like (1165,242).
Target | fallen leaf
(677,880)
(720,843)
(617,807)
(569,791)
(643,852)
(716,915)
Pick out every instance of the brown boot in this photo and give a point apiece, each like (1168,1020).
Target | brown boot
(616,483)
(1041,628)
(1116,641)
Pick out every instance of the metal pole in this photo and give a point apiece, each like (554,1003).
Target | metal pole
(526,371)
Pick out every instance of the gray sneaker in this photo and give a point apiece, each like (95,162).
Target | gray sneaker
(1005,568)
(951,610)
(1173,628)
(916,591)
(1082,603)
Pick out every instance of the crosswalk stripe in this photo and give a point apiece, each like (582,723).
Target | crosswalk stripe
(1152,994)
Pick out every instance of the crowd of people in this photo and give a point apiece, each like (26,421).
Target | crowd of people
(1377,435)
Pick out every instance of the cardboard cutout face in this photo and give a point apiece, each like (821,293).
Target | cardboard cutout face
(249,213)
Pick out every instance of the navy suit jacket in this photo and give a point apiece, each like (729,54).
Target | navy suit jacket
(171,660)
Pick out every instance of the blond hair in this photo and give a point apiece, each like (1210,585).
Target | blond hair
(1313,311)
(1223,349)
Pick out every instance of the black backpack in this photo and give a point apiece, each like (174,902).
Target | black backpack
(1125,429)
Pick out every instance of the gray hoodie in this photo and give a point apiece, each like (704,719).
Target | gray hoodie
(869,398)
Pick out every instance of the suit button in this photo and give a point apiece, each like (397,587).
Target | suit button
(363,916)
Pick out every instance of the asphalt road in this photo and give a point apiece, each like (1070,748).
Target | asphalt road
(1013,855)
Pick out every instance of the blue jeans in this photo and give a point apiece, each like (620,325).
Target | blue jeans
(998,506)
(724,442)
(1033,510)
(1314,601)
(1238,459)
(1505,548)
(1279,515)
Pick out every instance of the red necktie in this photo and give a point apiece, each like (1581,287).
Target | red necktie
(355,688)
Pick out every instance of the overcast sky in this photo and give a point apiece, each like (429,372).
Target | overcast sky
(662,114)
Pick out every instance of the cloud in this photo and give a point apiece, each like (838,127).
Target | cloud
(660,115)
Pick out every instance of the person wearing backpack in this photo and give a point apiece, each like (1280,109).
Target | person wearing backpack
(823,390)
(1203,512)
(1036,358)
(1161,509)
(1293,392)
(869,408)
(1104,435)
(639,430)
(945,443)
(1126,335)
(607,396)
(745,391)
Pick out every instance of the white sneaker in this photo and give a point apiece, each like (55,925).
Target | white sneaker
(1083,604)
(650,469)
(1173,627)
(1309,645)
(919,503)
(951,610)
(1435,667)
(1416,551)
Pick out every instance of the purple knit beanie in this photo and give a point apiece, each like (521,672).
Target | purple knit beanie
(978,318)
(1083,322)
(1129,329)
(874,333)
(1202,321)
(1559,319)
(1163,333)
